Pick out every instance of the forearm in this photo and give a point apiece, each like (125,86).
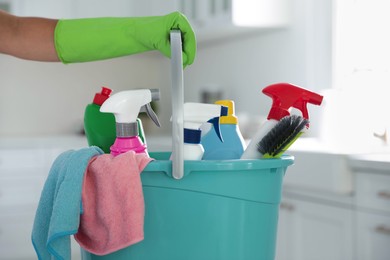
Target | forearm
(27,37)
(82,40)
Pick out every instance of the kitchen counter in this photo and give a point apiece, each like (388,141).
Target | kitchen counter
(155,143)
(63,141)
(374,161)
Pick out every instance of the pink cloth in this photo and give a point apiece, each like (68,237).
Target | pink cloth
(113,203)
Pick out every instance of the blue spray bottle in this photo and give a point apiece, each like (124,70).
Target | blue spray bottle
(196,114)
(233,145)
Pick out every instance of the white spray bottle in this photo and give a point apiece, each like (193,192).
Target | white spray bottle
(126,105)
(195,114)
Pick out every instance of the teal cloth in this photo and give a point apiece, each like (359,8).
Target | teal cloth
(58,213)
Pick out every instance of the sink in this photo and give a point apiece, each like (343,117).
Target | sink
(319,168)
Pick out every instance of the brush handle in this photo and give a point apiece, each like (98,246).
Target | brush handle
(177,105)
(251,152)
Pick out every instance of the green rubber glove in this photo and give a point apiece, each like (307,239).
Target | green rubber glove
(90,39)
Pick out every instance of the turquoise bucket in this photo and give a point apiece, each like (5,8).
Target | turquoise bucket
(219,210)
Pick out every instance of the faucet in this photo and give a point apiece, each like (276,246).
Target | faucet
(382,136)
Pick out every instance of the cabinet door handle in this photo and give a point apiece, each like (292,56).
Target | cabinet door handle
(384,195)
(382,229)
(287,206)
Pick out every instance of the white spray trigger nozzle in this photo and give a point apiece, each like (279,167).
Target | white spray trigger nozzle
(150,112)
(126,105)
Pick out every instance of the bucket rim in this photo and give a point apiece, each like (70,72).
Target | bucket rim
(165,164)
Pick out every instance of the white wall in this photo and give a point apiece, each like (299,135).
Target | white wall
(40,98)
(299,54)
(49,98)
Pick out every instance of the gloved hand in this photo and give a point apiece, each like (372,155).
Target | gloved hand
(90,39)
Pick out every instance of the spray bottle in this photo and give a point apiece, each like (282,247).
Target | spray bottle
(126,106)
(284,96)
(195,114)
(233,145)
(99,127)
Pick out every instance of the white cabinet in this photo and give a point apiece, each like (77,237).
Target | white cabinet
(316,224)
(373,190)
(373,215)
(286,231)
(15,232)
(373,236)
(24,165)
(22,174)
(309,230)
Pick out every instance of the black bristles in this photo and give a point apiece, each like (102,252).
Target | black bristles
(281,135)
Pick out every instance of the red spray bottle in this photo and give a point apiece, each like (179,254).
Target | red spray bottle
(284,97)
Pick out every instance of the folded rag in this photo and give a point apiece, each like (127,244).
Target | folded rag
(113,203)
(58,213)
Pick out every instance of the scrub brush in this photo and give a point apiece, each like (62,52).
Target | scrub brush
(282,136)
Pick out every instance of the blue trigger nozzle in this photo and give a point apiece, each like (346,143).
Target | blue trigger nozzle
(224,111)
(215,122)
